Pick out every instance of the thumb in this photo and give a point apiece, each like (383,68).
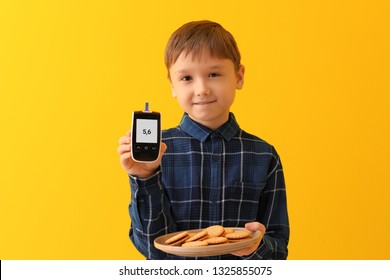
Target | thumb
(255,226)
(163,148)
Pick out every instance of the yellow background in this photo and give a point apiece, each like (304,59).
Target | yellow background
(71,72)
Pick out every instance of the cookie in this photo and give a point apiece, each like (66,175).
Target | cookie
(214,231)
(203,238)
(216,240)
(195,244)
(238,235)
(228,230)
(180,241)
(197,236)
(238,240)
(176,237)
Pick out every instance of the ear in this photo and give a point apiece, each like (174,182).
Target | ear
(172,89)
(173,92)
(240,77)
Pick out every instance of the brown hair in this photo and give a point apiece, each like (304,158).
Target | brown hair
(197,36)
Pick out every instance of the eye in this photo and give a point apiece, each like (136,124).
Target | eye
(186,78)
(213,75)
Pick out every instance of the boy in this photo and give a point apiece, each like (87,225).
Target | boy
(209,170)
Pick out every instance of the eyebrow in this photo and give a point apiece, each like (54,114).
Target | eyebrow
(213,67)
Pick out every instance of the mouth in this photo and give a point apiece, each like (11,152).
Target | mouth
(202,103)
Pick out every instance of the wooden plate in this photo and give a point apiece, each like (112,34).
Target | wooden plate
(206,251)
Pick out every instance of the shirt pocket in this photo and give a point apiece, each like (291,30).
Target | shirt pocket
(241,202)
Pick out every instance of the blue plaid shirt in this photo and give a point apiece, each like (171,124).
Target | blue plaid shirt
(226,177)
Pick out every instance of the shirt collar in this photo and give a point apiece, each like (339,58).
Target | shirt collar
(201,132)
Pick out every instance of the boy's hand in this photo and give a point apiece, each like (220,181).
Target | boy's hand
(138,169)
(253,226)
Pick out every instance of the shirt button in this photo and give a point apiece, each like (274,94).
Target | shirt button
(215,157)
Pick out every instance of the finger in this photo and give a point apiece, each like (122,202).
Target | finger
(255,226)
(126,160)
(246,251)
(125,156)
(163,148)
(125,140)
(242,252)
(124,148)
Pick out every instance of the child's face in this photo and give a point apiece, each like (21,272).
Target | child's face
(205,87)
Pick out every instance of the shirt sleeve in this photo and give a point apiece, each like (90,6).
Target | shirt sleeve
(150,214)
(273,214)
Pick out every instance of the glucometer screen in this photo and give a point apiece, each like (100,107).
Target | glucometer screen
(147,131)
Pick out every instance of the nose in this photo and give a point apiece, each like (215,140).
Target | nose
(201,88)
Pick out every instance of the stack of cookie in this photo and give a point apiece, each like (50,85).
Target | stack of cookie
(212,235)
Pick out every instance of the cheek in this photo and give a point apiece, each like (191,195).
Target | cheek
(229,94)
(183,98)
(229,100)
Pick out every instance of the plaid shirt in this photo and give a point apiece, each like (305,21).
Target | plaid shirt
(226,177)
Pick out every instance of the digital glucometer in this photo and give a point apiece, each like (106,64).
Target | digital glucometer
(146,135)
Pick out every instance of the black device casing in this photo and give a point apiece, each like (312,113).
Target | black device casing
(145,152)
